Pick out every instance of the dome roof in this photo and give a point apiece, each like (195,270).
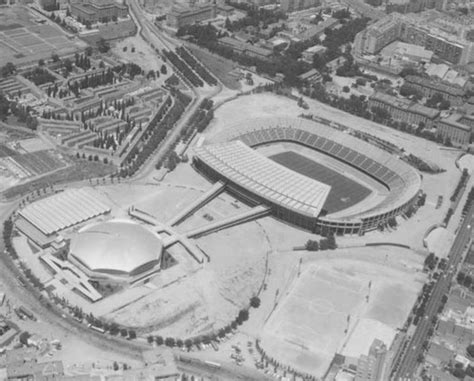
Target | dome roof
(116,247)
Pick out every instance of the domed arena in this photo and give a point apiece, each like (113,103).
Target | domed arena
(120,249)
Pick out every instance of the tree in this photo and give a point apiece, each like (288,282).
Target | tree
(170,342)
(123,332)
(467,281)
(159,340)
(41,62)
(103,46)
(24,336)
(255,302)
(243,316)
(460,277)
(8,69)
(4,107)
(470,350)
(132,335)
(54,57)
(116,366)
(346,89)
(163,70)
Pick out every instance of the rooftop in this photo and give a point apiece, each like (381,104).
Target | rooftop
(451,89)
(405,104)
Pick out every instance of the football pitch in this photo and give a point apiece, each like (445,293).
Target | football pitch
(344,191)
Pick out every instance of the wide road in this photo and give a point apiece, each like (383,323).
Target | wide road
(409,362)
(153,37)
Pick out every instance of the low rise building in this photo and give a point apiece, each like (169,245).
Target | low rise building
(246,48)
(312,76)
(305,32)
(404,110)
(439,356)
(309,53)
(179,17)
(457,128)
(32,370)
(428,87)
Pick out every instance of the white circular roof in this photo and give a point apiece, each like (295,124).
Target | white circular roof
(116,246)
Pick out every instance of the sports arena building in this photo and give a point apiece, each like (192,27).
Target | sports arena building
(122,250)
(296,198)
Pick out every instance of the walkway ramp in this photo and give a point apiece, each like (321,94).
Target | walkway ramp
(214,191)
(250,215)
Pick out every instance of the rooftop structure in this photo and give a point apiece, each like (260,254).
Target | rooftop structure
(115,248)
(408,52)
(63,210)
(264,177)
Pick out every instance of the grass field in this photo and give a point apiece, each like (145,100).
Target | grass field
(344,191)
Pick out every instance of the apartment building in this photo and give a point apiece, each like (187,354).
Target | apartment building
(378,35)
(428,87)
(446,37)
(458,128)
(403,110)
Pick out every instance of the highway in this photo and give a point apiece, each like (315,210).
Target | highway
(409,361)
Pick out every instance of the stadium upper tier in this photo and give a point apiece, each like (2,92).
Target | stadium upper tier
(402,180)
(265,178)
(63,210)
(116,247)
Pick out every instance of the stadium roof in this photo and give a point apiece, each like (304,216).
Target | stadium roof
(64,209)
(265,178)
(117,246)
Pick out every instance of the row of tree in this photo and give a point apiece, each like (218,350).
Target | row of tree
(183,68)
(328,243)
(241,317)
(196,66)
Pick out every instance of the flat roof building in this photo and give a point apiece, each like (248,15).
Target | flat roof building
(179,17)
(93,12)
(404,110)
(457,128)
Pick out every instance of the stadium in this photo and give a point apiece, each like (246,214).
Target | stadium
(360,189)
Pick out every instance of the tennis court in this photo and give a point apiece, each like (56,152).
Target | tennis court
(344,191)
